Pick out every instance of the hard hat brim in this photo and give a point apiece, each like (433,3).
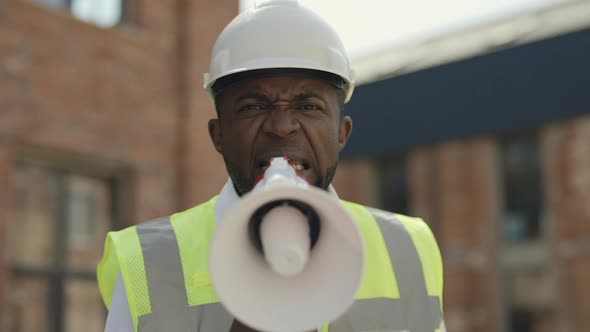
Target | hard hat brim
(225,82)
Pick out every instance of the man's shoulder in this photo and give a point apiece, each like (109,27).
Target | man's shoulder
(416,226)
(382,213)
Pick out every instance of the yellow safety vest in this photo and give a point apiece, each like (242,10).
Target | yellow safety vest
(163,264)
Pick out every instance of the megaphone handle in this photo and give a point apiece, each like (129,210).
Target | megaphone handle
(313,220)
(238,326)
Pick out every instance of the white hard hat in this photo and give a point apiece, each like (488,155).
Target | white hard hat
(279,34)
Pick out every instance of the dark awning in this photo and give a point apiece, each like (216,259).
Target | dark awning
(516,88)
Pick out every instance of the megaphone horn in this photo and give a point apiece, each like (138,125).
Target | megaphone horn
(287,257)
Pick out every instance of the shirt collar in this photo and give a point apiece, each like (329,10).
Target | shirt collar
(228,197)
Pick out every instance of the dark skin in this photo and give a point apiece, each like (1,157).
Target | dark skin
(296,117)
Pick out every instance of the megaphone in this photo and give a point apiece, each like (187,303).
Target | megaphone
(288,257)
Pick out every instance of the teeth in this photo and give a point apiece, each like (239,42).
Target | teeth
(298,167)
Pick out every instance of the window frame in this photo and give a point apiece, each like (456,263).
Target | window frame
(117,177)
(127,8)
(394,166)
(529,253)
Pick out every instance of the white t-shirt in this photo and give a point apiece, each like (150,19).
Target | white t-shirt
(119,316)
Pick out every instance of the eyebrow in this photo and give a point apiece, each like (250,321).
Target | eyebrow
(307,95)
(253,95)
(263,97)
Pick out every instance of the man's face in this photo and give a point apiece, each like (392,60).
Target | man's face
(295,117)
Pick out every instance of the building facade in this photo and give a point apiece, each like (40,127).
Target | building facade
(102,128)
(493,152)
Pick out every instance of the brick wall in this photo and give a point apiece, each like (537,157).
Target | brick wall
(566,147)
(202,169)
(128,98)
(357,181)
(132,94)
(108,93)
(5,210)
(453,187)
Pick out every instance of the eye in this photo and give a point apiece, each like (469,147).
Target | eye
(309,107)
(252,107)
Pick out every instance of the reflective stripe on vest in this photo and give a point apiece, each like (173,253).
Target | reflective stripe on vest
(413,311)
(167,291)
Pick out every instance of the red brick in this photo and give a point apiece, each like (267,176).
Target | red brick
(566,147)
(5,214)
(130,96)
(356,181)
(452,185)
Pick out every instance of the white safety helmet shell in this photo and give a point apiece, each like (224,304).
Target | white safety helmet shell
(279,34)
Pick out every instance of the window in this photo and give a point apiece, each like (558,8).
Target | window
(55,243)
(523,194)
(104,13)
(527,277)
(394,184)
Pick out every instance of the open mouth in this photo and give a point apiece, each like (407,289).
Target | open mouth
(301,167)
(298,165)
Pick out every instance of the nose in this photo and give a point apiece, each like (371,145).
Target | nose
(281,122)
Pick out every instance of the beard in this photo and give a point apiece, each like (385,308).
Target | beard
(323,182)
(243,182)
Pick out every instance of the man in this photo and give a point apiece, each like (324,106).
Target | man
(279,78)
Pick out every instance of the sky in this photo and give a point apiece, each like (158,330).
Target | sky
(369,26)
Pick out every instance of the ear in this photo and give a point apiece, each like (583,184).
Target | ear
(215,134)
(344,131)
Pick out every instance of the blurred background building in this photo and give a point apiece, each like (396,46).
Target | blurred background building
(481,127)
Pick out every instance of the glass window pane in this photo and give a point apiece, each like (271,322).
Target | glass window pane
(27,305)
(528,280)
(394,185)
(55,209)
(522,189)
(31,232)
(84,310)
(105,13)
(88,220)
